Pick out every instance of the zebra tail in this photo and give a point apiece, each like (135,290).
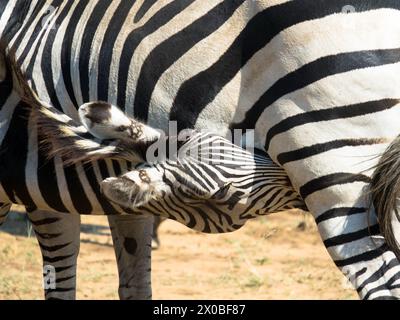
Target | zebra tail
(385,190)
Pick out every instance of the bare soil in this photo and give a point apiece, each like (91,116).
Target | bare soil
(276,257)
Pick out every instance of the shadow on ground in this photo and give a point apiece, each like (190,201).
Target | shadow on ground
(17,224)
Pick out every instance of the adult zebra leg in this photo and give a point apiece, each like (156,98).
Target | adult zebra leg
(132,236)
(59,239)
(352,238)
(337,194)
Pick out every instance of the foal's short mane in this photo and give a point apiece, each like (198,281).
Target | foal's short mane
(60,135)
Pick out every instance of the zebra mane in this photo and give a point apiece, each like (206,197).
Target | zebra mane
(61,136)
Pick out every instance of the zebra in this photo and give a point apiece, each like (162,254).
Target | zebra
(277,66)
(208,184)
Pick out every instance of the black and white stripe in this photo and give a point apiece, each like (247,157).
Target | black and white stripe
(318,85)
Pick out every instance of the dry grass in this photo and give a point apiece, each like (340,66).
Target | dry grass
(270,258)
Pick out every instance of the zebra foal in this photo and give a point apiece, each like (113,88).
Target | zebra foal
(234,180)
(210,184)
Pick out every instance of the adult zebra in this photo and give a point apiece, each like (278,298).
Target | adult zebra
(279,66)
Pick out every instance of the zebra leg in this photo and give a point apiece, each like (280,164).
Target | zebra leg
(132,244)
(351,236)
(59,239)
(4,210)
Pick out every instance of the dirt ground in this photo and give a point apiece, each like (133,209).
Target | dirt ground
(269,258)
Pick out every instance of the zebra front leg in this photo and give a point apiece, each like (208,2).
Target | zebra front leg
(132,237)
(59,239)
